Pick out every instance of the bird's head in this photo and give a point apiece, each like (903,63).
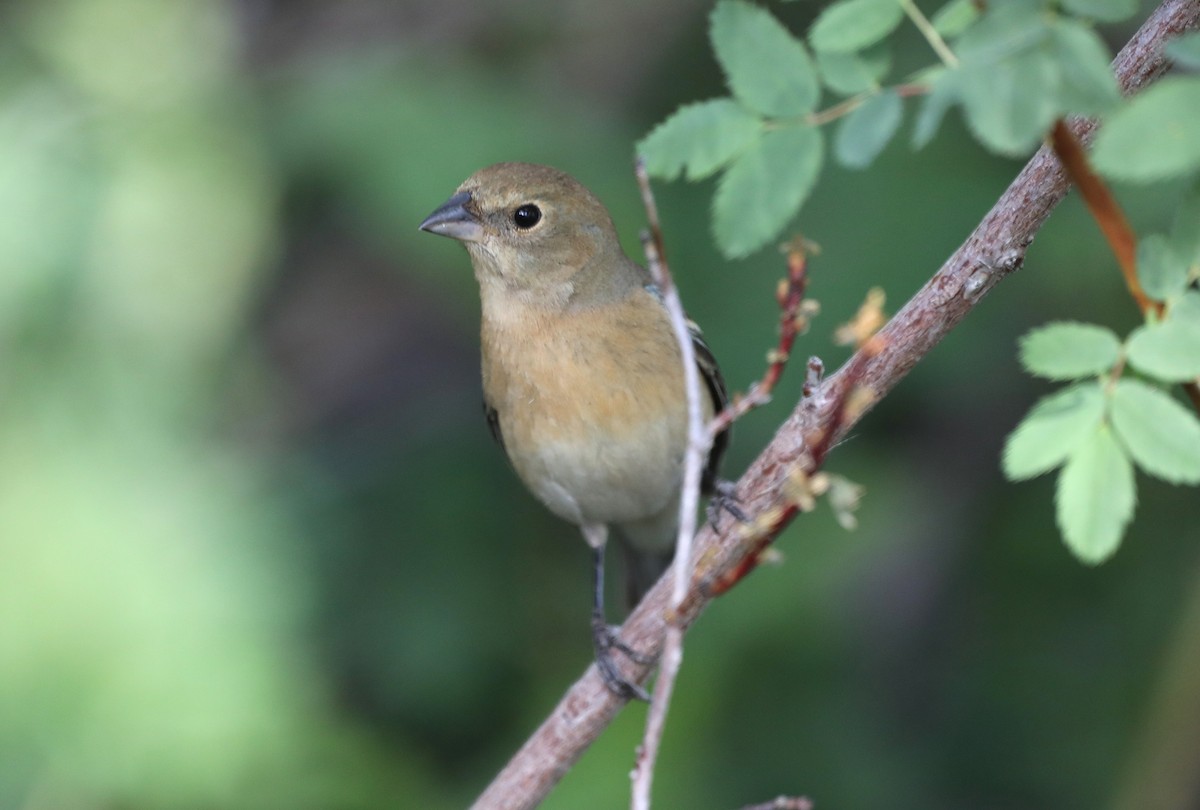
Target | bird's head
(531,228)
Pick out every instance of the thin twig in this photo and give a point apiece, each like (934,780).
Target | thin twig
(990,254)
(1104,209)
(792,321)
(762,532)
(656,717)
(930,33)
(822,117)
(783,803)
(700,441)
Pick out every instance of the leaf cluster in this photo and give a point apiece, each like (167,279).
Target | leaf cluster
(1106,422)
(761,141)
(1021,66)
(1012,70)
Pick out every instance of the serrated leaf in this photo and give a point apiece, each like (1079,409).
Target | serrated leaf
(1086,82)
(762,190)
(767,68)
(1185,50)
(1153,136)
(1169,350)
(1161,270)
(852,73)
(1102,10)
(1095,497)
(1162,436)
(700,137)
(1051,430)
(851,25)
(955,17)
(863,134)
(1068,351)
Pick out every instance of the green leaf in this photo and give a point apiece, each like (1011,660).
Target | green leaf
(1009,105)
(852,73)
(763,189)
(1068,351)
(1102,10)
(1185,231)
(1169,350)
(1021,69)
(863,134)
(1095,497)
(851,25)
(1161,435)
(955,17)
(1160,269)
(1186,309)
(1185,50)
(767,68)
(1005,32)
(1008,80)
(1052,429)
(1154,136)
(943,93)
(1087,85)
(699,137)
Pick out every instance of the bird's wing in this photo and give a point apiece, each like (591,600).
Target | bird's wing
(715,384)
(493,423)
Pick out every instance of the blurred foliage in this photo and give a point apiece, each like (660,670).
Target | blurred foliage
(256,549)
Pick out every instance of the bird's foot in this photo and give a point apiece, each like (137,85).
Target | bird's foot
(725,499)
(607,644)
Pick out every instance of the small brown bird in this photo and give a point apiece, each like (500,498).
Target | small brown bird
(582,376)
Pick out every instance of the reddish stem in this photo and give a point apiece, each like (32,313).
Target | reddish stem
(1104,209)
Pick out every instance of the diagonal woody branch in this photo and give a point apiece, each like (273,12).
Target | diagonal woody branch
(993,251)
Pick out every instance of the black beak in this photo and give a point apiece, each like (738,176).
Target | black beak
(453,219)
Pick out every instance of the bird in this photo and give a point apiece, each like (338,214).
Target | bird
(583,379)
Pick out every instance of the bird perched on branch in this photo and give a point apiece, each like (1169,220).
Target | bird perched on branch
(583,380)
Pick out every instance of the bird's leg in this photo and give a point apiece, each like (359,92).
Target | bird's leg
(604,637)
(724,498)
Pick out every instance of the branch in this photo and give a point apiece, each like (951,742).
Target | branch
(783,803)
(793,320)
(699,442)
(993,251)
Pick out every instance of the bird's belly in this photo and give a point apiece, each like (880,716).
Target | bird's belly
(611,479)
(591,408)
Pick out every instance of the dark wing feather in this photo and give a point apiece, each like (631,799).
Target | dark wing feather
(493,422)
(711,373)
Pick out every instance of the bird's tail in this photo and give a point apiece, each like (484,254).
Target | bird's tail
(642,569)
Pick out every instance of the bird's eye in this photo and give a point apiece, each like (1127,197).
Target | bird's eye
(527,216)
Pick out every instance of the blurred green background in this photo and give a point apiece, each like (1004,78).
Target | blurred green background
(258,551)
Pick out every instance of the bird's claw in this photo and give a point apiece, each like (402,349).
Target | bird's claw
(725,499)
(606,642)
